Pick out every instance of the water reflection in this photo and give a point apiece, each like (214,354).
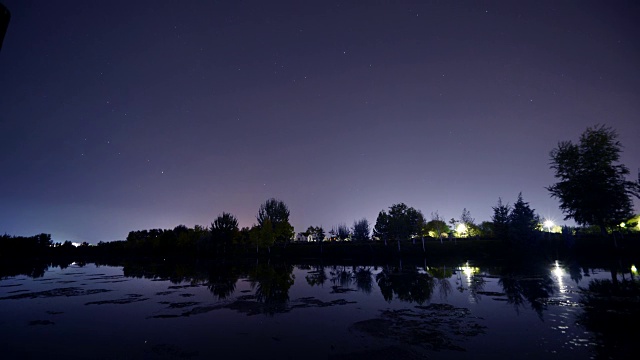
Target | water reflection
(442,275)
(574,312)
(527,289)
(363,277)
(407,284)
(473,279)
(611,313)
(222,280)
(271,284)
(317,277)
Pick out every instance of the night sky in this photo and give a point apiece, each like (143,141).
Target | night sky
(129,115)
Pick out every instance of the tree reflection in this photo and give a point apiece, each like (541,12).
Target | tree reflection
(222,280)
(521,290)
(363,278)
(317,277)
(475,284)
(271,284)
(442,275)
(341,276)
(575,271)
(407,284)
(610,307)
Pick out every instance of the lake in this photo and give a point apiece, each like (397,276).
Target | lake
(274,310)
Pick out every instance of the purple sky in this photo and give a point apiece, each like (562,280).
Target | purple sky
(128,115)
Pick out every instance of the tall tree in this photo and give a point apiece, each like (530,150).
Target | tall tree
(404,222)
(361,230)
(381,229)
(500,220)
(224,230)
(592,186)
(276,214)
(342,232)
(437,226)
(468,222)
(523,222)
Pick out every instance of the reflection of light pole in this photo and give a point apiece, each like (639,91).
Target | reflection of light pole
(548,224)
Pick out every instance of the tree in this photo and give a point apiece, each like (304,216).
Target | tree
(436,227)
(319,231)
(401,223)
(361,230)
(591,186)
(469,228)
(224,230)
(342,232)
(276,214)
(523,222)
(500,220)
(486,229)
(381,229)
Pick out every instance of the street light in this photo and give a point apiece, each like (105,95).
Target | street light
(548,224)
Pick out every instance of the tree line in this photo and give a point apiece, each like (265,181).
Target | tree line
(592,189)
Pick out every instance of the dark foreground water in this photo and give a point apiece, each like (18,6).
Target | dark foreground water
(263,310)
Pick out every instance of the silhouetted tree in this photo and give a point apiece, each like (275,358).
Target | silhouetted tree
(401,223)
(277,214)
(342,232)
(224,230)
(500,220)
(485,229)
(361,230)
(470,228)
(591,186)
(381,229)
(523,222)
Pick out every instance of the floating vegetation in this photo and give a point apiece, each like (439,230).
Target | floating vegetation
(175,287)
(131,298)
(435,327)
(247,304)
(341,290)
(70,291)
(17,291)
(107,279)
(490,293)
(161,293)
(181,305)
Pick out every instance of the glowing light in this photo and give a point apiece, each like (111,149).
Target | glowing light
(469,271)
(461,229)
(634,270)
(548,224)
(558,272)
(622,224)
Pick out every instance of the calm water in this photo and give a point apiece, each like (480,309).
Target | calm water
(282,311)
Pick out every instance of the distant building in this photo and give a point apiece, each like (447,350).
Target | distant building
(301,237)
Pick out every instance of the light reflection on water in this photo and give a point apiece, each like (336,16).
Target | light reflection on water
(286,311)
